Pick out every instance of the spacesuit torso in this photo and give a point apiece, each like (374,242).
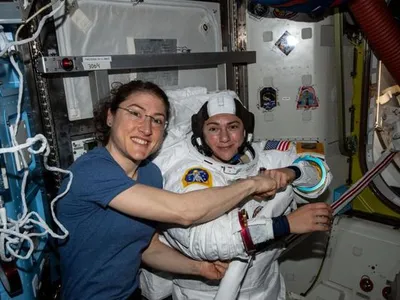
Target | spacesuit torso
(184,170)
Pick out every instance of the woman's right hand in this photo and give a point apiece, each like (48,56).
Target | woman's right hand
(311,217)
(213,270)
(265,185)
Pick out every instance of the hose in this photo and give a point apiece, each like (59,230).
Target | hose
(381,30)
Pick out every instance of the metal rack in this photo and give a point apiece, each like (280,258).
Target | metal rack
(98,67)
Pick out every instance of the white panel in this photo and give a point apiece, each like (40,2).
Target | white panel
(360,248)
(308,61)
(311,62)
(357,249)
(110,27)
(300,265)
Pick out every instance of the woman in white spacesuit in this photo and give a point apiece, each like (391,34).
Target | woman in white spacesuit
(219,152)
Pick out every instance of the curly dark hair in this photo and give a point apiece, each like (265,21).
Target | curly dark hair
(119,93)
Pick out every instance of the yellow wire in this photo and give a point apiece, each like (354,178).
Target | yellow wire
(31,18)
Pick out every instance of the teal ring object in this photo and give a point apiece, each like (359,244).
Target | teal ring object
(318,161)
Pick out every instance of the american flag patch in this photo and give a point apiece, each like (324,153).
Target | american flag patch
(277,145)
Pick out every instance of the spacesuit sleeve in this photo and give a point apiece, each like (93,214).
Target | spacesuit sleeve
(311,174)
(315,174)
(311,177)
(219,239)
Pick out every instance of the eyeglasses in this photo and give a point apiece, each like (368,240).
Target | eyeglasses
(136,115)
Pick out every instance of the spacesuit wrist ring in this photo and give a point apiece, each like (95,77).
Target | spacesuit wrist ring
(245,232)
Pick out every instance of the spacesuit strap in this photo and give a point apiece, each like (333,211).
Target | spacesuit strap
(245,232)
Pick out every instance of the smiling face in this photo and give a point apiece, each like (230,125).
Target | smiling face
(224,134)
(137,128)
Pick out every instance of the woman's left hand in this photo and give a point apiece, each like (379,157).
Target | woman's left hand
(213,270)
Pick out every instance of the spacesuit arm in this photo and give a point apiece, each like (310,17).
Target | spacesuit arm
(219,239)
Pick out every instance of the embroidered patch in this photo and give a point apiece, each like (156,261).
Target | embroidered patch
(197,175)
(307,98)
(268,96)
(277,145)
(257,210)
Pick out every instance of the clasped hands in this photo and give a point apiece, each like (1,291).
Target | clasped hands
(279,179)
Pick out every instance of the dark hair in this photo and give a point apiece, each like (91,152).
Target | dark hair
(119,93)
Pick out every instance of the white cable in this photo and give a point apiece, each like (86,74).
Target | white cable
(22,223)
(36,34)
(14,233)
(32,17)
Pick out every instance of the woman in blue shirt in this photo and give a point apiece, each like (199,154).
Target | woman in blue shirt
(116,195)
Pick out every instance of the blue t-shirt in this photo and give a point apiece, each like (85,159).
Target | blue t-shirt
(101,257)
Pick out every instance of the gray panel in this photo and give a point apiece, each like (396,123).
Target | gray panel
(13,12)
(268,36)
(9,13)
(327,36)
(306,33)
(157,46)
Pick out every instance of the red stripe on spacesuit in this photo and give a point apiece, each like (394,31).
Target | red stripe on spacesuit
(245,232)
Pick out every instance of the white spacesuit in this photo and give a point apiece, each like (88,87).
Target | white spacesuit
(221,239)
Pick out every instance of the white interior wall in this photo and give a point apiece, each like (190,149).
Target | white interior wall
(311,62)
(111,27)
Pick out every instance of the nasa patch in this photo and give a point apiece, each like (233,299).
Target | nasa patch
(268,96)
(197,175)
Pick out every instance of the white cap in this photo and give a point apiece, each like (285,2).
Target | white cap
(222,104)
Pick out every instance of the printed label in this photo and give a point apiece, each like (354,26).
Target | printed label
(96,63)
